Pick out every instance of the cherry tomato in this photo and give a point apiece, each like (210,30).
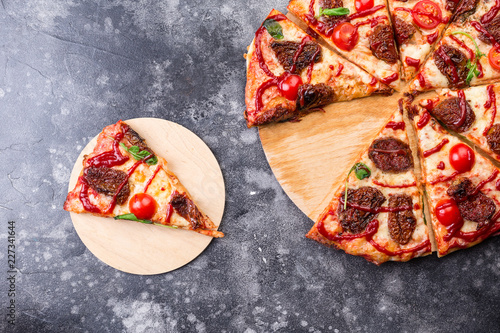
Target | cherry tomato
(426,14)
(448,214)
(288,85)
(363,5)
(345,36)
(462,157)
(143,206)
(494,58)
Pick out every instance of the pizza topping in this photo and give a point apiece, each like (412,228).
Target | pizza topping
(288,85)
(355,220)
(491,102)
(382,44)
(366,12)
(473,64)
(451,5)
(472,203)
(404,31)
(361,171)
(339,11)
(135,139)
(426,14)
(273,28)
(491,14)
(436,149)
(277,114)
(423,120)
(462,157)
(493,29)
(412,62)
(431,38)
(334,19)
(186,208)
(440,165)
(314,95)
(109,158)
(106,181)
(494,57)
(493,138)
(452,63)
(466,8)
(345,36)
(139,154)
(400,125)
(448,214)
(292,58)
(391,155)
(362,5)
(401,224)
(143,206)
(449,112)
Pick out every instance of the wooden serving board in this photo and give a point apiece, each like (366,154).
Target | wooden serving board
(311,157)
(146,249)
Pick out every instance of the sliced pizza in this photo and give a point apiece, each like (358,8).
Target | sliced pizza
(289,74)
(359,30)
(463,187)
(469,52)
(472,113)
(378,212)
(124,179)
(418,24)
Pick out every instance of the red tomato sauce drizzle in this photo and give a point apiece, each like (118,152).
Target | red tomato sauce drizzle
(489,103)
(400,125)
(490,15)
(482,30)
(424,120)
(376,182)
(436,149)
(339,70)
(472,55)
(463,109)
(421,80)
(444,179)
(170,210)
(373,81)
(440,165)
(390,78)
(412,62)
(431,38)
(84,198)
(151,178)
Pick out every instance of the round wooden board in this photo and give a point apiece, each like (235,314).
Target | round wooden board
(138,248)
(311,157)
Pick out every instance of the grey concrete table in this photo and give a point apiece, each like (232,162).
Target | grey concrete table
(69,68)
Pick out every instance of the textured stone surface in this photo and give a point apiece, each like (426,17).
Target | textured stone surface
(69,68)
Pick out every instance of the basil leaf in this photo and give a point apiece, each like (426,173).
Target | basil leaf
(274,28)
(131,217)
(139,154)
(339,11)
(361,171)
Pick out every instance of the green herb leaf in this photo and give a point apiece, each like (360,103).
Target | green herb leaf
(139,154)
(274,28)
(131,217)
(361,171)
(473,71)
(339,11)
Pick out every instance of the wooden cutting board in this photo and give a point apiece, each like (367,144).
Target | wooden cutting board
(311,157)
(146,249)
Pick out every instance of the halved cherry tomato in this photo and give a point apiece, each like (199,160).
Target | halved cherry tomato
(494,58)
(426,14)
(143,206)
(363,5)
(288,85)
(447,213)
(345,36)
(462,157)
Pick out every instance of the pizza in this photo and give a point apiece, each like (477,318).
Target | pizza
(471,112)
(418,24)
(359,30)
(289,74)
(463,187)
(378,212)
(469,52)
(124,179)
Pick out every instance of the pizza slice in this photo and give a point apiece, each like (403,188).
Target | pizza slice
(418,24)
(463,187)
(124,179)
(290,75)
(378,212)
(472,113)
(469,52)
(359,30)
